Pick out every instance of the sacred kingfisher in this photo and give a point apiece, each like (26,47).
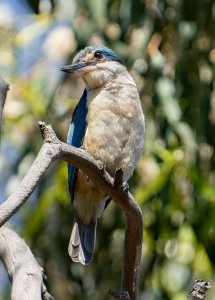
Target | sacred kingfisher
(108,123)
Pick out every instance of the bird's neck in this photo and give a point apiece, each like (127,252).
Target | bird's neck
(97,81)
(120,86)
(96,84)
(105,74)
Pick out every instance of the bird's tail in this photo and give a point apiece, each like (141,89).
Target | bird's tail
(82,242)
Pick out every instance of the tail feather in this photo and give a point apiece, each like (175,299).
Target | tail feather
(74,242)
(82,242)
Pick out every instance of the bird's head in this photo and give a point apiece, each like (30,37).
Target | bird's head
(96,65)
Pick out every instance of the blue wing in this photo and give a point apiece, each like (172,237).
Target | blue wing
(76,134)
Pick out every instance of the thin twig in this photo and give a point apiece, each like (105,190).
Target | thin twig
(3,94)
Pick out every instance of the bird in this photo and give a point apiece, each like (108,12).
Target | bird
(108,122)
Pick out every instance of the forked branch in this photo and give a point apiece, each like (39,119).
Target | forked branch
(53,149)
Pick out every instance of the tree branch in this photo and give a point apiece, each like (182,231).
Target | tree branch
(199,289)
(22,268)
(53,149)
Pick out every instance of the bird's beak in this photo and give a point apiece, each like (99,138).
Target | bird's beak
(79,68)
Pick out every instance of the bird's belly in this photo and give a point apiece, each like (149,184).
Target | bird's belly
(88,200)
(115,140)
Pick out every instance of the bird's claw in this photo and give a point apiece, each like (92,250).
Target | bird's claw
(101,165)
(125,187)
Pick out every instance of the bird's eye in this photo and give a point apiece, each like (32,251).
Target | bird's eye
(98,54)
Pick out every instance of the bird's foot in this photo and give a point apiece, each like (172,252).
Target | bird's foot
(125,187)
(118,178)
(118,181)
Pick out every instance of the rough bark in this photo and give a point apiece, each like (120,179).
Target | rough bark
(22,268)
(199,289)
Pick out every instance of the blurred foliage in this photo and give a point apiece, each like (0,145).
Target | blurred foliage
(169,46)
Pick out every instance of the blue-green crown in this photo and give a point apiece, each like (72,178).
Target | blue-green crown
(107,53)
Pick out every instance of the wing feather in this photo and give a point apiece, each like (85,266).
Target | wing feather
(76,134)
